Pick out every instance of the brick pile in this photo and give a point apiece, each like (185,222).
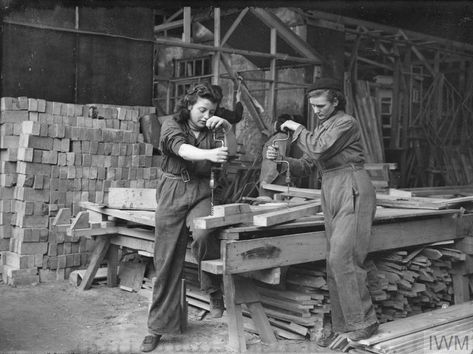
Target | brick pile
(54,155)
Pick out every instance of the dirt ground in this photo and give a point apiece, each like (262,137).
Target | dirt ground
(58,318)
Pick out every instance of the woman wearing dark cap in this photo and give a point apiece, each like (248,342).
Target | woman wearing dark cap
(349,205)
(183,193)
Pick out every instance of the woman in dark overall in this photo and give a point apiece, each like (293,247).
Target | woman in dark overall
(183,193)
(349,205)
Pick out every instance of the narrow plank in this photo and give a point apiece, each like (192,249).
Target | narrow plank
(285,215)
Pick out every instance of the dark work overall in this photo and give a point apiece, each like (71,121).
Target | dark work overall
(181,197)
(349,205)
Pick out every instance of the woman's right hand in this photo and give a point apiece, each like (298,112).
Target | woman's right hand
(218,155)
(271,153)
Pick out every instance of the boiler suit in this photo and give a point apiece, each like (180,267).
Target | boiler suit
(182,194)
(349,205)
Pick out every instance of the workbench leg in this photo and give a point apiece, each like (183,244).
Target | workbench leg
(101,247)
(246,293)
(236,335)
(112,266)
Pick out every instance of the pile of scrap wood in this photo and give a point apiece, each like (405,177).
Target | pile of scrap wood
(401,284)
(404,283)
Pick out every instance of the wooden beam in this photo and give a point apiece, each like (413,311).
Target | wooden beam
(293,191)
(132,198)
(418,54)
(243,214)
(216,56)
(187,33)
(139,216)
(371,62)
(168,26)
(246,97)
(101,247)
(285,215)
(292,39)
(279,56)
(389,29)
(269,252)
(234,25)
(273,72)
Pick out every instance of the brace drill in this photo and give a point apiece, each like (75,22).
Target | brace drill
(212,171)
(281,159)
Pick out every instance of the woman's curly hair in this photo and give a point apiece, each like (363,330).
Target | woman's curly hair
(203,90)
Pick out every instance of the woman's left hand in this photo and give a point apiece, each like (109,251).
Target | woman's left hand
(290,125)
(215,122)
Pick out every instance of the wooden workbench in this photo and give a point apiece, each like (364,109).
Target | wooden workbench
(250,248)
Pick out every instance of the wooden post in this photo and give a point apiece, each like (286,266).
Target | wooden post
(112,268)
(216,56)
(274,75)
(187,34)
(236,336)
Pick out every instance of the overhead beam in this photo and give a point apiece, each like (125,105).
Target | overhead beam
(394,30)
(372,62)
(250,53)
(292,39)
(234,25)
(168,26)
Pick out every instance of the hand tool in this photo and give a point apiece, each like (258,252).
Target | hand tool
(281,159)
(213,169)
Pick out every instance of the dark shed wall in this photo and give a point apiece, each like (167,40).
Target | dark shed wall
(44,63)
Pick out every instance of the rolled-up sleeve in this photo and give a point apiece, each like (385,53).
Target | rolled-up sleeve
(172,137)
(326,142)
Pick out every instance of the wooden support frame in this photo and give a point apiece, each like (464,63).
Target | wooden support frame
(234,25)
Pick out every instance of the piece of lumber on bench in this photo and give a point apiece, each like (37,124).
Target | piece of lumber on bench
(132,198)
(288,214)
(230,214)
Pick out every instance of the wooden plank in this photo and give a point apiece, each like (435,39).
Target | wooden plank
(139,216)
(132,198)
(293,191)
(101,247)
(131,275)
(245,215)
(285,215)
(421,322)
(269,252)
(133,243)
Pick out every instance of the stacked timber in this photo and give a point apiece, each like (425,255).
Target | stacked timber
(401,283)
(407,283)
(54,155)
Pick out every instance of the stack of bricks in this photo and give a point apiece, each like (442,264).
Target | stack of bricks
(54,155)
